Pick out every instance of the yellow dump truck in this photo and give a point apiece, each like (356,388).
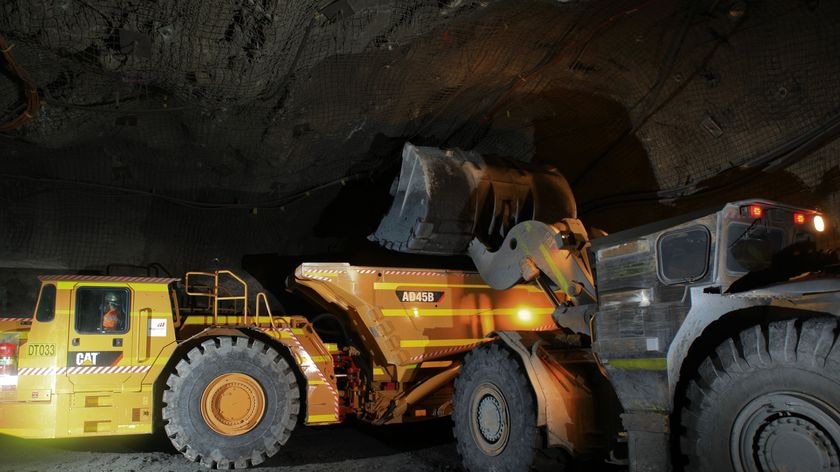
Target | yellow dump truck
(106,355)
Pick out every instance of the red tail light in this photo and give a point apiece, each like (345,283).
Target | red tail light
(756,211)
(799,218)
(8,363)
(8,349)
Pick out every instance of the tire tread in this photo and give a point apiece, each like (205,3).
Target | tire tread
(810,345)
(216,350)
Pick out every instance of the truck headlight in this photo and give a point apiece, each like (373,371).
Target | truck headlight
(819,223)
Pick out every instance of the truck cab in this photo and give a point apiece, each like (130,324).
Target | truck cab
(80,372)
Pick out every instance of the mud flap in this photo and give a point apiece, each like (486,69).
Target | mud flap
(443,199)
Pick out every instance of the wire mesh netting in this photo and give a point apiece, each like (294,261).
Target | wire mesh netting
(215,115)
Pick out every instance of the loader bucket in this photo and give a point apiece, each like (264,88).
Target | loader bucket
(443,199)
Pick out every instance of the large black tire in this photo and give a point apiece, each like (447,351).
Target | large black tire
(231,404)
(767,400)
(494,414)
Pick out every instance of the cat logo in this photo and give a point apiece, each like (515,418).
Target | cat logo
(420,296)
(86,358)
(83,359)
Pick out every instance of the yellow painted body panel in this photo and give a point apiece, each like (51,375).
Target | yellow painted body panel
(413,323)
(407,316)
(89,383)
(315,363)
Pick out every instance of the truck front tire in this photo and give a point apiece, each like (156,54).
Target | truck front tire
(494,415)
(231,404)
(767,400)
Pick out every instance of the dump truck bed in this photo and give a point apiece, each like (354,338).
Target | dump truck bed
(409,316)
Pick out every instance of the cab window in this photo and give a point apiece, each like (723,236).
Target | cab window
(684,255)
(102,310)
(751,247)
(46,304)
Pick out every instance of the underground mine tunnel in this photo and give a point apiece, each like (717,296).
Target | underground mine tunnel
(141,140)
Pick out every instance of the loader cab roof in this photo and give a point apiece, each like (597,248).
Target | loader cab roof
(657,226)
(650,228)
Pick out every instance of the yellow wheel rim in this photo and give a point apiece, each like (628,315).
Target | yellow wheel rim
(233,404)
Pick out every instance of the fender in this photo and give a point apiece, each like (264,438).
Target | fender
(818,296)
(565,396)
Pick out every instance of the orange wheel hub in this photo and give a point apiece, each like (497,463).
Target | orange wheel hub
(233,404)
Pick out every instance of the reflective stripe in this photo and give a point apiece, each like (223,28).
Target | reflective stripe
(396,285)
(393,312)
(140,287)
(321,419)
(446,352)
(117,369)
(286,335)
(558,276)
(654,363)
(438,342)
(321,272)
(416,272)
(301,351)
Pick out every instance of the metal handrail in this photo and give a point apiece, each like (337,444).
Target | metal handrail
(264,298)
(214,294)
(271,320)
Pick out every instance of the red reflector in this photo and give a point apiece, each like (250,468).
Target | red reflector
(799,218)
(756,211)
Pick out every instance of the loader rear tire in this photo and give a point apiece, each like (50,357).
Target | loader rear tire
(495,414)
(767,400)
(231,403)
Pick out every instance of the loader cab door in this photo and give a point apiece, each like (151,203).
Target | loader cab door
(101,355)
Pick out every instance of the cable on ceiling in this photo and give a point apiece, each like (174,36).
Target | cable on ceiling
(276,203)
(30,90)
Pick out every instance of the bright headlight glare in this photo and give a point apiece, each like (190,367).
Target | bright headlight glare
(819,223)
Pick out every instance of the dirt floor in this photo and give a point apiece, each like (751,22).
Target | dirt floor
(346,448)
(343,448)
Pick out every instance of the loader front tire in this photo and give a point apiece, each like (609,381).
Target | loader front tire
(231,403)
(494,415)
(767,400)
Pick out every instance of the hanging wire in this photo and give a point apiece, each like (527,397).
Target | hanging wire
(30,90)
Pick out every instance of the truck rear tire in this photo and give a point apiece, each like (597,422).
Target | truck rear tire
(231,404)
(767,400)
(494,414)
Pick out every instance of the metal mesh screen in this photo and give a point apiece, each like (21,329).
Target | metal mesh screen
(185,120)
